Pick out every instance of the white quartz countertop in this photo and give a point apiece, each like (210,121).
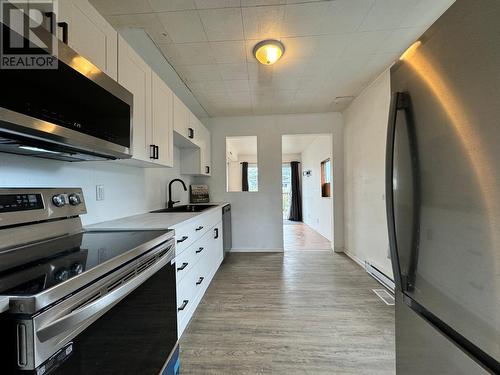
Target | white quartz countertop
(150,221)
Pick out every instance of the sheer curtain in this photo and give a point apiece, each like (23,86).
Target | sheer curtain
(296,204)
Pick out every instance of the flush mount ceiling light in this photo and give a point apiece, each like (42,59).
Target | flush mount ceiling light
(269,51)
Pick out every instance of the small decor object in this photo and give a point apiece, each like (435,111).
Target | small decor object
(307,173)
(198,194)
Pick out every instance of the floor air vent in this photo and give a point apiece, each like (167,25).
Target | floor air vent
(385,296)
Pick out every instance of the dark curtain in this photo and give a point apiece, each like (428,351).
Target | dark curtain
(296,204)
(244,176)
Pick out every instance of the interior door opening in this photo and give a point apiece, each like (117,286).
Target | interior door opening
(307,192)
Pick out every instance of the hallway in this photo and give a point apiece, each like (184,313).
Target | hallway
(298,236)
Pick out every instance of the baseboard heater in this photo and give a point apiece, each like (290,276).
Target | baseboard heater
(381,277)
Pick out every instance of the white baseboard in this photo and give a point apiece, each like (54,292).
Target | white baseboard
(233,250)
(360,262)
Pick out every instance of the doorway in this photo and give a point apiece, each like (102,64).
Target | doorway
(307,192)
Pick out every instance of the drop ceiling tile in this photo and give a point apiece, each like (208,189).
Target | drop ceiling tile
(208,4)
(199,73)
(344,16)
(222,24)
(229,52)
(190,54)
(304,19)
(171,5)
(215,88)
(263,22)
(114,7)
(386,14)
(399,40)
(147,21)
(366,43)
(237,85)
(233,71)
(253,3)
(183,26)
(423,13)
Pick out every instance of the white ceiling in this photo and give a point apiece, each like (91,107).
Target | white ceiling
(333,48)
(296,144)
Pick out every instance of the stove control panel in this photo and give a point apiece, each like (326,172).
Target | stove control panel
(20,202)
(24,205)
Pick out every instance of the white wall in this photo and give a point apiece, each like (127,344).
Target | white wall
(365,132)
(257,217)
(128,190)
(317,210)
(287,158)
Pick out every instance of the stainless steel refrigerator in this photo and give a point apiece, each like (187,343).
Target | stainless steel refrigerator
(443,194)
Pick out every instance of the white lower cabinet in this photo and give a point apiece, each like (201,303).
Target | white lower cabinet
(197,259)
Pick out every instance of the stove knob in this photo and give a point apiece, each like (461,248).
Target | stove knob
(74,199)
(61,275)
(77,268)
(58,200)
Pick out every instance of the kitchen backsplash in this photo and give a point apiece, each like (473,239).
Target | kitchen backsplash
(127,190)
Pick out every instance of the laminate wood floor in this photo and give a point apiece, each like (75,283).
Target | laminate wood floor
(298,236)
(290,313)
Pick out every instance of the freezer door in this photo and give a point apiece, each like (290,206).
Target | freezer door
(443,172)
(421,349)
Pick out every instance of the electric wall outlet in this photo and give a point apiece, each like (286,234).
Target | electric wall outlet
(99,192)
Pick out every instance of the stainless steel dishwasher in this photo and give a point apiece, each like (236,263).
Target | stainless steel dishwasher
(226,229)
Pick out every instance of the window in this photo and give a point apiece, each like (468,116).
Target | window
(326,178)
(253,177)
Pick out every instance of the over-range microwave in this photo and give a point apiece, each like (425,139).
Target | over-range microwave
(75,112)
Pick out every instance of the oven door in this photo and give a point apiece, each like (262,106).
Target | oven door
(133,332)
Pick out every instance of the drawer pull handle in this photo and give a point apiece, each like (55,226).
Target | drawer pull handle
(199,250)
(184,238)
(199,228)
(200,280)
(184,304)
(184,265)
(216,233)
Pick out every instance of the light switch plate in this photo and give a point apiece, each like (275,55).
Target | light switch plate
(99,192)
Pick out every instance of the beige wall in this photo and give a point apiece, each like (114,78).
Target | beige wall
(365,134)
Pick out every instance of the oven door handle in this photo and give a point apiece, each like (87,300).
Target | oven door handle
(95,309)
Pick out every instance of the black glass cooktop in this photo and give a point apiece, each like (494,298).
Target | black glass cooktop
(34,268)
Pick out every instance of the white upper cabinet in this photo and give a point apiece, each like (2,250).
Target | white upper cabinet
(181,118)
(135,75)
(152,121)
(162,129)
(88,33)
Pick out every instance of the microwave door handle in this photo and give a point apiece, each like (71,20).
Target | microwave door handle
(74,319)
(400,102)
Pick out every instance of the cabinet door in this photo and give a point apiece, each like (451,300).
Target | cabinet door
(92,36)
(194,127)
(181,118)
(162,121)
(135,75)
(205,151)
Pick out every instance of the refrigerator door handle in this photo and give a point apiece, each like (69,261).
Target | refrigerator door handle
(400,102)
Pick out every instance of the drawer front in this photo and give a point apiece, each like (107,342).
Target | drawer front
(186,295)
(186,260)
(187,234)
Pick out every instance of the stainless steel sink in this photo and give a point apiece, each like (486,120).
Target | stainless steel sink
(185,208)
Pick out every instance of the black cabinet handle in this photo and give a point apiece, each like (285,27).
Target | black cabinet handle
(184,265)
(52,21)
(64,27)
(199,228)
(184,238)
(183,306)
(151,151)
(199,250)
(207,169)
(216,233)
(200,280)
(190,133)
(157,152)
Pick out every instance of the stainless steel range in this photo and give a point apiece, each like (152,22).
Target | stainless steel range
(78,301)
